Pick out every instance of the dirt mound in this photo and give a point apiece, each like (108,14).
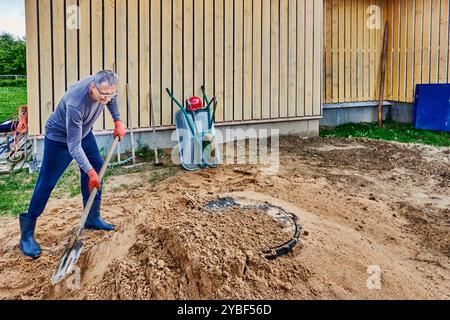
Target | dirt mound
(361,205)
(195,254)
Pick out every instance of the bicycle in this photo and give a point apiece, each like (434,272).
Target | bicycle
(16,148)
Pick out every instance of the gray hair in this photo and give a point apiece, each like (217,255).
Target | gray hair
(106,76)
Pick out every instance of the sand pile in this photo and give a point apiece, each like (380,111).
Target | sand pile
(360,204)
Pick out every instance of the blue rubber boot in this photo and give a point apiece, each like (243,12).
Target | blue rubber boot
(28,244)
(94,220)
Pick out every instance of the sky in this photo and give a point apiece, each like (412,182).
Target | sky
(12,17)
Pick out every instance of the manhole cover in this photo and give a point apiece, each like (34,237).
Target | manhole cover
(287,220)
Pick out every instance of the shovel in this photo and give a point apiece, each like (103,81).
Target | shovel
(73,248)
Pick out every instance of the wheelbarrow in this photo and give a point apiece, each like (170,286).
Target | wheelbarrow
(196,134)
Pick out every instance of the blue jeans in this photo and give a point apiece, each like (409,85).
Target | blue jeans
(56,160)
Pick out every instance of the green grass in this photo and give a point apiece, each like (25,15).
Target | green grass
(391,131)
(163,174)
(17,188)
(10,99)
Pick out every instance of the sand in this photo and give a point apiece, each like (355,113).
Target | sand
(362,205)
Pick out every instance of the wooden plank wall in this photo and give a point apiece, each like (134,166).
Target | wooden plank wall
(262,58)
(351,51)
(418,48)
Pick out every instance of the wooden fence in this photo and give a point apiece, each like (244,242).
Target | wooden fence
(418,48)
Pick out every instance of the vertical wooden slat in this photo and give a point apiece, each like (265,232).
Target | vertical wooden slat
(257,59)
(367,33)
(188,30)
(121,52)
(155,54)
(177,51)
(361,28)
(375,58)
(219,58)
(97,46)
(444,45)
(309,59)
(133,62)
(198,46)
(341,49)
(266,61)
(389,49)
(31,15)
(229,67)
(59,66)
(97,36)
(292,11)
(144,63)
(85,38)
(418,45)
(238,59)
(72,42)
(328,50)
(110,49)
(348,41)
(275,60)
(72,65)
(372,54)
(426,41)
(209,47)
(335,51)
(354,56)
(301,58)
(396,47)
(317,85)
(248,57)
(410,53)
(402,61)
(166,67)
(45,59)
(325,27)
(283,58)
(434,67)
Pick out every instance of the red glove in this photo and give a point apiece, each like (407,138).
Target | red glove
(119,131)
(94,180)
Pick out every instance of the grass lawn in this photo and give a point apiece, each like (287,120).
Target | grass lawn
(391,131)
(10,99)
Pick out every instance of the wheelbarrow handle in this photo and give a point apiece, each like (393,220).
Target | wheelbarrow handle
(212,119)
(190,123)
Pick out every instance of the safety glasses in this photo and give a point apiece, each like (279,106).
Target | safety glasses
(106,96)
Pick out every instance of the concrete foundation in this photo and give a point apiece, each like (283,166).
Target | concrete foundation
(305,128)
(338,114)
(402,112)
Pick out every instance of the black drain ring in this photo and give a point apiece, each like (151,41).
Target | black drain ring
(275,252)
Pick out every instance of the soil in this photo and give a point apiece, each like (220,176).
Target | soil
(361,204)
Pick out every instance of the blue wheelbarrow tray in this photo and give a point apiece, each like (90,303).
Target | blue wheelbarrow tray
(192,155)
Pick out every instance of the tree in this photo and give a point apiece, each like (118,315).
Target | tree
(12,55)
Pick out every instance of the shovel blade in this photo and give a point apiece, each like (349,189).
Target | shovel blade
(67,261)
